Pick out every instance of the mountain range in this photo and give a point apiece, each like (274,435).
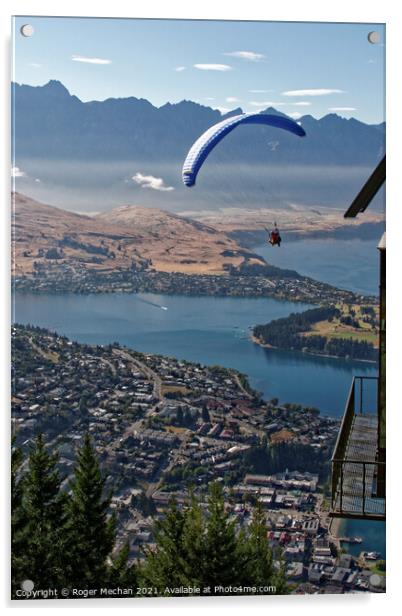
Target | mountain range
(50,123)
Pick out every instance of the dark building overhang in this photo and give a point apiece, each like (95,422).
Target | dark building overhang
(368,192)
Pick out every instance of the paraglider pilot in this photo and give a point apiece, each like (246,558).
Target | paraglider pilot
(274,237)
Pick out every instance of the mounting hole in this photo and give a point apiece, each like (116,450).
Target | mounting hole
(27,30)
(374,37)
(27,585)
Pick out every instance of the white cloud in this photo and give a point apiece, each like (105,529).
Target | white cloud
(313,92)
(260,91)
(179,69)
(150,181)
(301,104)
(295,115)
(90,60)
(245,55)
(266,104)
(232,99)
(341,108)
(37,180)
(16,172)
(213,67)
(209,98)
(35,65)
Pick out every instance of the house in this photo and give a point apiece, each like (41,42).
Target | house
(340,575)
(315,574)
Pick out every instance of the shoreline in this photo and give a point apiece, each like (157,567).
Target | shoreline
(266,345)
(336,527)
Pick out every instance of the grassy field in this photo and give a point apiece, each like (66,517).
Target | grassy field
(336,329)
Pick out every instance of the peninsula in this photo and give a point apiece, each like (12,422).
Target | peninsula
(134,249)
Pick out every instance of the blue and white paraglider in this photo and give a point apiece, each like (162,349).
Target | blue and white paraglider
(208,140)
(201,148)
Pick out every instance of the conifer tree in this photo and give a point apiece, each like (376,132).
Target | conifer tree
(91,531)
(43,512)
(258,569)
(193,540)
(220,543)
(164,566)
(18,520)
(121,573)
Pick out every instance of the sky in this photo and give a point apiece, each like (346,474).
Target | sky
(298,68)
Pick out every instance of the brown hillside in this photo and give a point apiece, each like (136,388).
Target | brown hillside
(46,234)
(175,243)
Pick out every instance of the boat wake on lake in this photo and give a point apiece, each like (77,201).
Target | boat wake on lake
(154,304)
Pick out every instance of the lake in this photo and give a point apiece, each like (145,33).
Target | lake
(372,533)
(207,330)
(215,330)
(347,264)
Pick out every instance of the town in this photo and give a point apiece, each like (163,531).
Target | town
(161,426)
(58,276)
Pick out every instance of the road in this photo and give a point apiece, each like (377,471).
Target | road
(146,371)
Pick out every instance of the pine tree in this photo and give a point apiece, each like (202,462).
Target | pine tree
(220,544)
(164,566)
(193,541)
(121,573)
(91,531)
(18,520)
(258,569)
(43,512)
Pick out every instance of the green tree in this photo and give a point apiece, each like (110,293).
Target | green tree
(258,567)
(220,542)
(193,540)
(121,573)
(43,514)
(194,548)
(91,531)
(164,566)
(18,519)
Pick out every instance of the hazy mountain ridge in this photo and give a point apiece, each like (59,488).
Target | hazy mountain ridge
(51,123)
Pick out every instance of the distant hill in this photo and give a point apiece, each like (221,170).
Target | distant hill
(52,124)
(175,243)
(43,234)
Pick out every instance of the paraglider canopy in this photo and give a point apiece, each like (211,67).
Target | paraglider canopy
(208,140)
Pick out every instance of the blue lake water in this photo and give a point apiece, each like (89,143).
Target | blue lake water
(347,264)
(207,330)
(372,533)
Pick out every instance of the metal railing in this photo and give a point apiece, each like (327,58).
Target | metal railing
(355,468)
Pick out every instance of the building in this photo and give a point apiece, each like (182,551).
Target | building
(358,461)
